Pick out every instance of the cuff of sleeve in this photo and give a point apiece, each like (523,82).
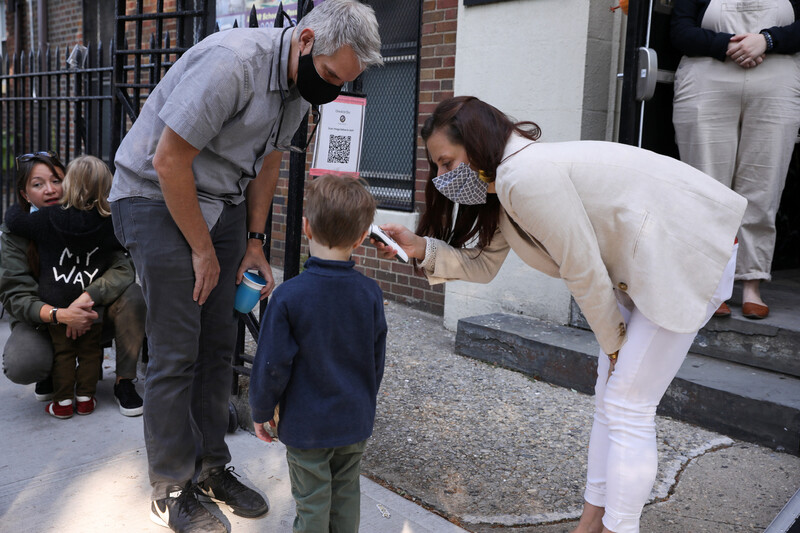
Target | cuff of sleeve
(719,46)
(35,309)
(95,294)
(430,255)
(259,416)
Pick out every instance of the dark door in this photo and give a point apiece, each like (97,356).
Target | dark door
(648,123)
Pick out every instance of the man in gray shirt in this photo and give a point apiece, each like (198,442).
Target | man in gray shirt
(194,183)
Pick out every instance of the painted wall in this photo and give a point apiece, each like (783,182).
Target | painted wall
(553,62)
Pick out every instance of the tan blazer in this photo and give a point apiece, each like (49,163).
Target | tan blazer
(606,218)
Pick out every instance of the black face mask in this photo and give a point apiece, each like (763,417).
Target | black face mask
(313,88)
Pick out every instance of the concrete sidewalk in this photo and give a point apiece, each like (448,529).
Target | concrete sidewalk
(89,473)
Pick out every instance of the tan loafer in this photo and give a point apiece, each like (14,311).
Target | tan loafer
(723,310)
(755,311)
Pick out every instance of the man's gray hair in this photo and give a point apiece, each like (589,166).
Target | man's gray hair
(345,22)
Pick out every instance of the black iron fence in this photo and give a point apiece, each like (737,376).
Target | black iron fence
(56,100)
(139,68)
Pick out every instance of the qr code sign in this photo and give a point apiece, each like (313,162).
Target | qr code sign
(339,149)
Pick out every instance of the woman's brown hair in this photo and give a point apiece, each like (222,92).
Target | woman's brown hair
(483,131)
(24,169)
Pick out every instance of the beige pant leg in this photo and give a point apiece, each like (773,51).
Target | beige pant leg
(770,122)
(739,126)
(706,114)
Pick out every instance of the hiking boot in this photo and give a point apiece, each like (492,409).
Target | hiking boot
(222,487)
(44,389)
(60,409)
(129,401)
(181,512)
(85,404)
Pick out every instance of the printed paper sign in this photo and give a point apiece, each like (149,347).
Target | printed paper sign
(337,148)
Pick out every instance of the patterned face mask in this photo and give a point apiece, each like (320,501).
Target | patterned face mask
(462,185)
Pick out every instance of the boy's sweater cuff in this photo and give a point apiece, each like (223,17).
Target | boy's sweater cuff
(260,416)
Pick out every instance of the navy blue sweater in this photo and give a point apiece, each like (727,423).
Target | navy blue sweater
(320,356)
(692,40)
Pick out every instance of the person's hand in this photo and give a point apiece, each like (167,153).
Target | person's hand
(206,274)
(79,316)
(747,49)
(254,259)
(74,333)
(411,243)
(261,431)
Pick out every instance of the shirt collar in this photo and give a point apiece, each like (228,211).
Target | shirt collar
(329,266)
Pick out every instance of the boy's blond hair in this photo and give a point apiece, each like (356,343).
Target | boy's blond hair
(87,184)
(339,209)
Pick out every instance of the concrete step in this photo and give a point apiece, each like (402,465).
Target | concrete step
(772,343)
(740,401)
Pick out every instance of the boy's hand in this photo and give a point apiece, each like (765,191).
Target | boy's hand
(262,432)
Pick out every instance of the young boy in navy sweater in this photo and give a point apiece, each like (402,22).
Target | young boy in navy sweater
(320,356)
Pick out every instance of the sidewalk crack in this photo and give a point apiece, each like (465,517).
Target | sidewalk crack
(684,460)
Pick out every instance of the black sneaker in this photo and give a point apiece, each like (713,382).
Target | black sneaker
(181,512)
(44,389)
(222,487)
(130,403)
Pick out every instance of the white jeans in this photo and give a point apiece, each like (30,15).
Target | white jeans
(623,457)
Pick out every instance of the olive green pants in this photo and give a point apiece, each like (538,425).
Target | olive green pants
(326,489)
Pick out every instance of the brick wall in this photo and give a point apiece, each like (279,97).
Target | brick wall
(64,23)
(437,71)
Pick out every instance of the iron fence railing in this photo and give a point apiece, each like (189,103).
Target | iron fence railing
(56,100)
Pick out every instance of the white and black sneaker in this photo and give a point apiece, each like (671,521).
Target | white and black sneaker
(181,512)
(129,401)
(222,487)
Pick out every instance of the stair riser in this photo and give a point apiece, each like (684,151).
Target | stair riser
(552,364)
(779,352)
(732,415)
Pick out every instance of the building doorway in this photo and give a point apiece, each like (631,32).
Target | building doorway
(648,123)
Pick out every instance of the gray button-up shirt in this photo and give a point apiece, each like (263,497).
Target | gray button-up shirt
(223,96)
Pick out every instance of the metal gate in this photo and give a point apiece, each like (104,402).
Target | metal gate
(137,70)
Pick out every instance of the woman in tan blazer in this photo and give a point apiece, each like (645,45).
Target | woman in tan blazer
(644,243)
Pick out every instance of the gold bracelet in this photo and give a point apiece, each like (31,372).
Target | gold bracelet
(613,356)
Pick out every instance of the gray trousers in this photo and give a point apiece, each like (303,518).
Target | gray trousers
(189,372)
(28,353)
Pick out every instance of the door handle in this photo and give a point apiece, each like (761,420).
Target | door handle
(647,74)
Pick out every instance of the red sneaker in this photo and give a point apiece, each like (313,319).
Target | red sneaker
(86,404)
(61,409)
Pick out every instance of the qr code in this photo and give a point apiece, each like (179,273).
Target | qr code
(339,149)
